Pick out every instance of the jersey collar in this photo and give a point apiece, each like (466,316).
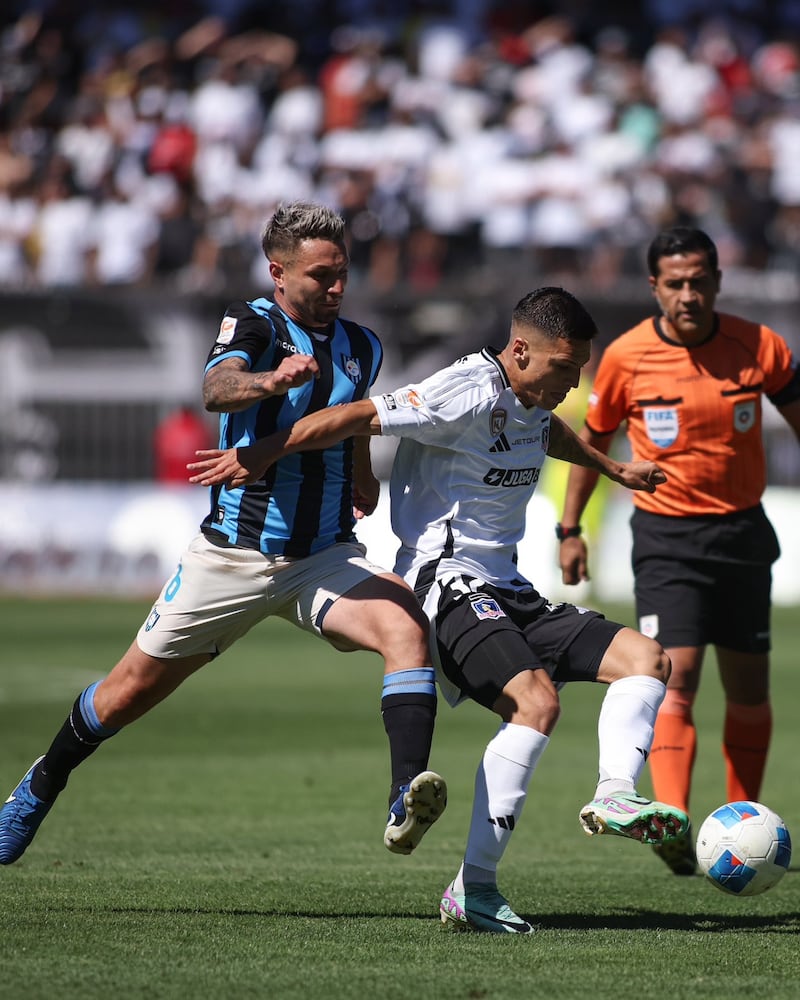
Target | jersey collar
(677,343)
(491,354)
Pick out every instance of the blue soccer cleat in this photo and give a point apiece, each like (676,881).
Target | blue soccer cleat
(413,812)
(20,818)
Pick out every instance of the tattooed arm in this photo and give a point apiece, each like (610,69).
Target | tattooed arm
(230,386)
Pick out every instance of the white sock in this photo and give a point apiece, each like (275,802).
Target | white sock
(625,731)
(501,784)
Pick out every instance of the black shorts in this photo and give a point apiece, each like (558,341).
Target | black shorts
(487,635)
(685,602)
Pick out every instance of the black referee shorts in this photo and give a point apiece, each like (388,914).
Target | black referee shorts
(686,602)
(488,635)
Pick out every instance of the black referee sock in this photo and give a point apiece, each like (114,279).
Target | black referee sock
(79,737)
(408,707)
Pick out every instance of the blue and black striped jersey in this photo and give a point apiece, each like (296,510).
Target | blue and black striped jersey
(305,501)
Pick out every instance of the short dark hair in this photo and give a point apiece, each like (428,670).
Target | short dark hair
(555,312)
(681,240)
(297,221)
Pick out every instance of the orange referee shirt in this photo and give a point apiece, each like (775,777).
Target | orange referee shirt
(696,411)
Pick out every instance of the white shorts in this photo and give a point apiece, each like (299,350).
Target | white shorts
(220,592)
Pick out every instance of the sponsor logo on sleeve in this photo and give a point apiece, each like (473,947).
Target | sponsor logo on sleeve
(408,397)
(227,328)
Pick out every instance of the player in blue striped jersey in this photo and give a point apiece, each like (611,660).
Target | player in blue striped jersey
(305,503)
(283,546)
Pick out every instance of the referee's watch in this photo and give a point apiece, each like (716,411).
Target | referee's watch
(562,532)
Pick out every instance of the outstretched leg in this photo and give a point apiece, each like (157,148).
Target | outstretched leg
(636,669)
(136,684)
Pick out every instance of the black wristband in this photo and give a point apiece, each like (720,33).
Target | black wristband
(562,532)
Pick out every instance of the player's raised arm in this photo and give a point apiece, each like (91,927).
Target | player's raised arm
(240,466)
(231,387)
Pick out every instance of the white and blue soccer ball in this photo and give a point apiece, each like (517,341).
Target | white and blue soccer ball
(744,848)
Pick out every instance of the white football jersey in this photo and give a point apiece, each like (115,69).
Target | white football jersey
(464,472)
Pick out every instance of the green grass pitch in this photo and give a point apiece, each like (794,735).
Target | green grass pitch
(229,844)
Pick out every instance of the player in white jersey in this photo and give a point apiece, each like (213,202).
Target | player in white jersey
(474,437)
(467,506)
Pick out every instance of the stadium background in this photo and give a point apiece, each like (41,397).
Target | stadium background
(478,149)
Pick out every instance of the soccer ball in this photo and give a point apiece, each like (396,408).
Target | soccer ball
(744,848)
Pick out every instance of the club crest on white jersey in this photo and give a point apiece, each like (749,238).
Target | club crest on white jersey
(499,417)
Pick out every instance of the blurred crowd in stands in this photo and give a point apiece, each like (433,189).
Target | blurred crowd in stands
(145,143)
